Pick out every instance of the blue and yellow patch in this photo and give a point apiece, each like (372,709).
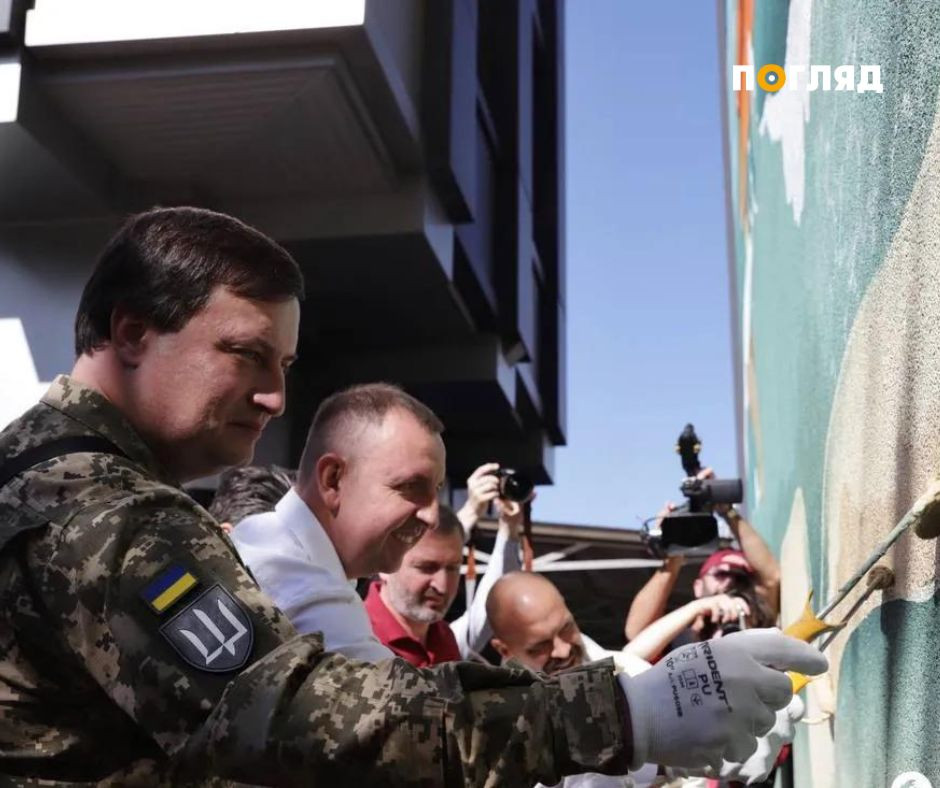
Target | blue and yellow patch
(171,585)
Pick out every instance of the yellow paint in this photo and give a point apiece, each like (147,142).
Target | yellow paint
(807,627)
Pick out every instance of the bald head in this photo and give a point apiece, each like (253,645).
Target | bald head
(532,624)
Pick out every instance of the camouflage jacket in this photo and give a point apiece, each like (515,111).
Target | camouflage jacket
(135,649)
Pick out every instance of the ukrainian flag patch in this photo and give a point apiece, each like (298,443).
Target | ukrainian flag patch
(171,585)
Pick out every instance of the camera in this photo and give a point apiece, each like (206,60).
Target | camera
(513,485)
(692,529)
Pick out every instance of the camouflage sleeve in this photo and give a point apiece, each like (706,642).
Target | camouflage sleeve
(150,596)
(460,724)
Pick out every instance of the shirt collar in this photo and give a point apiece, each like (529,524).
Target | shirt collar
(301,520)
(441,644)
(386,627)
(97,413)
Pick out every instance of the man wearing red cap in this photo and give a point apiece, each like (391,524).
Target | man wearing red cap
(728,580)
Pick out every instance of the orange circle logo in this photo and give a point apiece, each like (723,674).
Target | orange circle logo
(771,78)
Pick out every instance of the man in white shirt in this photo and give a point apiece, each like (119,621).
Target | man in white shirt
(293,559)
(367,491)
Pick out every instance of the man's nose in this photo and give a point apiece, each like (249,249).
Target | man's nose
(561,648)
(429,513)
(272,396)
(439,582)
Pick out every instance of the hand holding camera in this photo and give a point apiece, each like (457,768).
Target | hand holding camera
(725,613)
(506,488)
(692,528)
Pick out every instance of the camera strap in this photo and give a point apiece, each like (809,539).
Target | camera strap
(470,579)
(528,551)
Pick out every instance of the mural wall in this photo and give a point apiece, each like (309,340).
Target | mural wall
(834,198)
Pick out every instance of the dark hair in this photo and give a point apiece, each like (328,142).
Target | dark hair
(368,402)
(761,614)
(448,523)
(250,490)
(162,265)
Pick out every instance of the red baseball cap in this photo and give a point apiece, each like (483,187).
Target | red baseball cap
(733,560)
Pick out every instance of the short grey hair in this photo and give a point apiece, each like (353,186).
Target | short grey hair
(369,403)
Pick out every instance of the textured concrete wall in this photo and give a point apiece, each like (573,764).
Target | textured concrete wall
(835,204)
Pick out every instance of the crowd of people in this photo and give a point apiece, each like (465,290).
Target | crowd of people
(145,640)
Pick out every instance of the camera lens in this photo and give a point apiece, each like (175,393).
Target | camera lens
(514,486)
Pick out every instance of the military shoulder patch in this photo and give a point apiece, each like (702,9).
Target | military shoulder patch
(212,633)
(167,588)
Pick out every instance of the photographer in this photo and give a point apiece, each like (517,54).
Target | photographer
(753,569)
(706,617)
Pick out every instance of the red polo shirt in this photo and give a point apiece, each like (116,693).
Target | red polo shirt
(441,645)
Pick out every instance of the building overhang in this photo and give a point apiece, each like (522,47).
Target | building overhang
(211,102)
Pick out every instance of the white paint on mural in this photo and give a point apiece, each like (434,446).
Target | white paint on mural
(20,386)
(786,112)
(751,411)
(911,780)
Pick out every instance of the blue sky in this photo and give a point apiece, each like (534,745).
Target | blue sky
(649,332)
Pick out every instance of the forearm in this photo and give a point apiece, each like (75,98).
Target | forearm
(654,639)
(472,629)
(759,556)
(390,724)
(650,602)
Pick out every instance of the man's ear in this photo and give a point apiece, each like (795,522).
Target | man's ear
(129,336)
(501,648)
(329,471)
(698,587)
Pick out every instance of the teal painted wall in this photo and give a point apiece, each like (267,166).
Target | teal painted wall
(835,206)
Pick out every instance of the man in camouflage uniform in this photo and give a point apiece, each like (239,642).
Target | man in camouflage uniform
(134,646)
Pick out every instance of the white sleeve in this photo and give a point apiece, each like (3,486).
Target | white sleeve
(311,597)
(472,630)
(624,662)
(334,608)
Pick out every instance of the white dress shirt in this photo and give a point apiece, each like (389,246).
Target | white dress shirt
(295,563)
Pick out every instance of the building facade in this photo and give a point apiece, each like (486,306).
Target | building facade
(409,153)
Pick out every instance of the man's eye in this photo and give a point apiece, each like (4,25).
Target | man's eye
(249,354)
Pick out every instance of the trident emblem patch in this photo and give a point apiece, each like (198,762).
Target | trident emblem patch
(212,633)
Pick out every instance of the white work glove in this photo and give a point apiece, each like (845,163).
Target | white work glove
(707,702)
(761,763)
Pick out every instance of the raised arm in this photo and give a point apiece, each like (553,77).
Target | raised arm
(758,554)
(653,641)
(650,602)
(472,629)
